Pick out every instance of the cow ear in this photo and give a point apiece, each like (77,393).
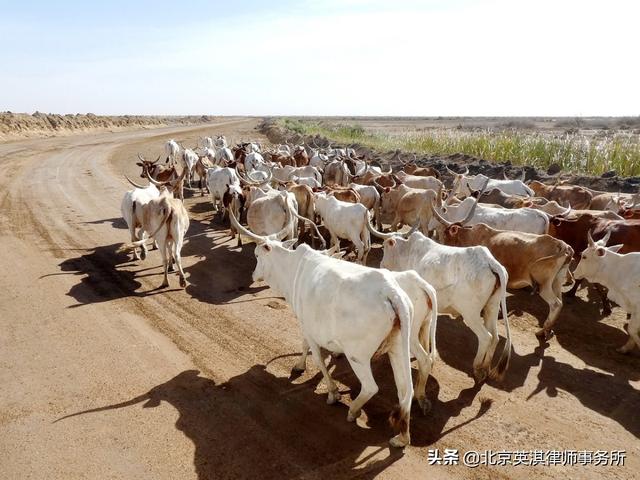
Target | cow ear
(266,247)
(391,242)
(600,251)
(387,189)
(615,248)
(627,214)
(527,204)
(557,222)
(454,229)
(139,164)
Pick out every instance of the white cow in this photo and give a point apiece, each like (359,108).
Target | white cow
(131,209)
(464,184)
(526,220)
(189,159)
(345,220)
(171,150)
(218,181)
(469,282)
(620,273)
(168,220)
(350,309)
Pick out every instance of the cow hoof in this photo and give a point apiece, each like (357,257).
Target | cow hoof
(425,405)
(143,254)
(183,282)
(480,374)
(297,370)
(333,397)
(172,267)
(164,285)
(399,441)
(351,417)
(543,334)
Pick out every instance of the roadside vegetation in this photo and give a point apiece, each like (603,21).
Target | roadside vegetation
(574,150)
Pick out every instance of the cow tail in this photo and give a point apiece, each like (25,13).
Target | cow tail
(505,357)
(401,304)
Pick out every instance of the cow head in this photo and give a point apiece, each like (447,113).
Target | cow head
(594,257)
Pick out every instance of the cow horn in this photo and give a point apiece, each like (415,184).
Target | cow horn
(466,171)
(439,217)
(524,174)
(133,183)
(141,158)
(156,160)
(313,225)
(243,179)
(261,182)
(155,182)
(603,241)
(388,172)
(590,241)
(566,212)
(471,212)
(375,232)
(504,175)
(258,239)
(413,229)
(451,171)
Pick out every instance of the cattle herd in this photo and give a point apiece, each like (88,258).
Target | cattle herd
(471,238)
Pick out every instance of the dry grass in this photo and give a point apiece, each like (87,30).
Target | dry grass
(575,151)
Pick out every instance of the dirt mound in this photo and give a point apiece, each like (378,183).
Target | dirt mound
(609,181)
(23,125)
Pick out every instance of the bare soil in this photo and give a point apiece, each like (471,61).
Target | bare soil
(103,376)
(23,125)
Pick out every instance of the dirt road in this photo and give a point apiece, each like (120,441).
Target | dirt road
(105,377)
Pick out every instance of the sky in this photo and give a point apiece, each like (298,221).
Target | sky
(315,57)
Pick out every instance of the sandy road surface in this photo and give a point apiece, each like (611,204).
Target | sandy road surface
(195,383)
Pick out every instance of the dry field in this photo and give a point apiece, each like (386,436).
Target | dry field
(105,377)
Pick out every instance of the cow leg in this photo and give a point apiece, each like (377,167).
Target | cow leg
(606,304)
(134,237)
(634,334)
(301,365)
(490,316)
(574,289)
(424,367)
(550,293)
(359,246)
(334,395)
(176,249)
(143,249)
(165,262)
(402,376)
(377,217)
(475,323)
(368,386)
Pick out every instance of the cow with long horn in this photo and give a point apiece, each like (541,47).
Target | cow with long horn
(355,310)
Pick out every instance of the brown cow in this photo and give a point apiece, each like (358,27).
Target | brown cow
(530,259)
(300,157)
(574,231)
(577,197)
(162,173)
